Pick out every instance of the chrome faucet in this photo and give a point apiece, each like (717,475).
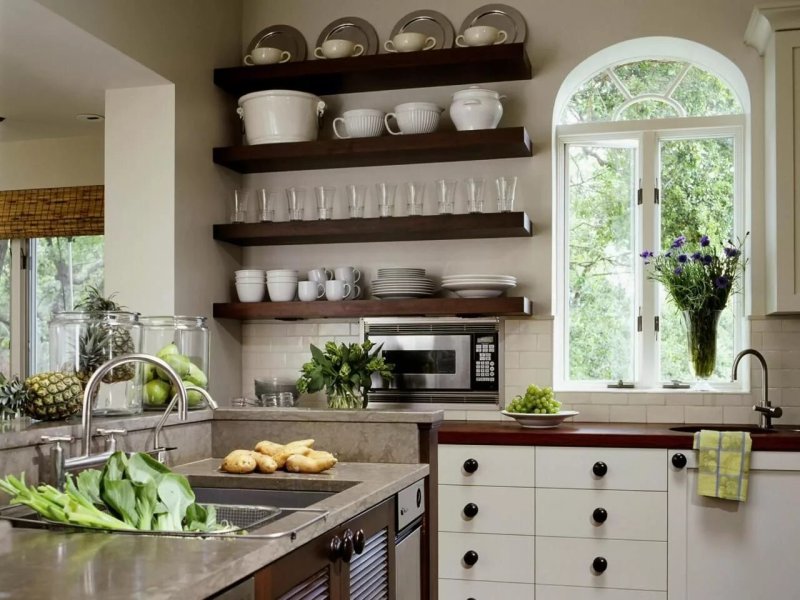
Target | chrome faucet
(157,447)
(766,411)
(86,458)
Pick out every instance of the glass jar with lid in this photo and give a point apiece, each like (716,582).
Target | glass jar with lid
(81,342)
(182,341)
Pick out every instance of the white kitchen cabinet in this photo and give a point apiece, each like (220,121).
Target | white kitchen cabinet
(454,589)
(774,30)
(601,468)
(507,466)
(726,550)
(486,509)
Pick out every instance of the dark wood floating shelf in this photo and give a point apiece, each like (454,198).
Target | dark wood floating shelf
(504,62)
(441,146)
(465,307)
(394,229)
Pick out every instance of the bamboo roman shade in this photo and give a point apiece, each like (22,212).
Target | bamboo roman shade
(51,212)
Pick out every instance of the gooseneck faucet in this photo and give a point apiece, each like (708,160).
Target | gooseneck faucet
(766,411)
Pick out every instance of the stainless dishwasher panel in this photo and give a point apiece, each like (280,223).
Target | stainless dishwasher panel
(408,572)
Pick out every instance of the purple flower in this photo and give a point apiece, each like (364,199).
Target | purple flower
(678,271)
(646,254)
(731,252)
(707,259)
(678,241)
(721,282)
(697,256)
(704,241)
(682,258)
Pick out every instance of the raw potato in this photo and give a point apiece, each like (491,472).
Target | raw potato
(272,448)
(266,464)
(239,461)
(313,462)
(288,451)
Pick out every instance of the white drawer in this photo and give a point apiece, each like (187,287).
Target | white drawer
(560,592)
(630,565)
(628,515)
(496,465)
(500,557)
(500,509)
(454,589)
(625,468)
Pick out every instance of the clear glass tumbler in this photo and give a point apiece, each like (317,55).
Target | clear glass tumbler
(506,191)
(385,193)
(355,200)
(237,212)
(416,197)
(266,205)
(446,194)
(295,200)
(474,194)
(325,196)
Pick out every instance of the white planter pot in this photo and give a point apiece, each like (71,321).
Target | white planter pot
(276,116)
(476,108)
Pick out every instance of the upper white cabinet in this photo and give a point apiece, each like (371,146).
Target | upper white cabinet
(774,30)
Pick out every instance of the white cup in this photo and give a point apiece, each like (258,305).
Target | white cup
(308,291)
(409,41)
(349,275)
(481,35)
(336,289)
(267,56)
(414,117)
(281,291)
(338,49)
(320,274)
(359,123)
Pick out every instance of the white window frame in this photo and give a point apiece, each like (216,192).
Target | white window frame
(648,134)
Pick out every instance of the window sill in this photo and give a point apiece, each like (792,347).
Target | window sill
(723,389)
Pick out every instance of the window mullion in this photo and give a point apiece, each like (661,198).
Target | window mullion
(20,265)
(647,228)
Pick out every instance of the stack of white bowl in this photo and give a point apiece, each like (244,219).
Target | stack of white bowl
(250,285)
(282,285)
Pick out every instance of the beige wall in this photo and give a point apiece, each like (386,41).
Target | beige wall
(57,162)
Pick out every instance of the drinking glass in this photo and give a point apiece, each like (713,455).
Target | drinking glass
(266,205)
(416,197)
(355,200)
(238,207)
(385,193)
(325,196)
(446,193)
(506,191)
(295,199)
(474,194)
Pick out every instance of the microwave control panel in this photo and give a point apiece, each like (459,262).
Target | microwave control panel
(485,361)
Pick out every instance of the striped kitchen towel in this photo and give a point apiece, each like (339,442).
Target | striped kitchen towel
(723,459)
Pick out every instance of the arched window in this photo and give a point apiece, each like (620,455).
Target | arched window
(649,146)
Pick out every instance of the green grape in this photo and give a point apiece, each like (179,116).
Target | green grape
(538,401)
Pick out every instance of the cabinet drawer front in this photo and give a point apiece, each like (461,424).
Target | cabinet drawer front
(625,469)
(560,592)
(500,509)
(630,565)
(500,557)
(628,515)
(453,589)
(496,465)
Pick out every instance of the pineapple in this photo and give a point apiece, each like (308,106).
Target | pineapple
(45,396)
(102,341)
(10,401)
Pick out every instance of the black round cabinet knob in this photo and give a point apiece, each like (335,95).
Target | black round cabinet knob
(470,558)
(470,465)
(335,548)
(347,546)
(599,468)
(599,515)
(359,541)
(678,460)
(599,564)
(470,510)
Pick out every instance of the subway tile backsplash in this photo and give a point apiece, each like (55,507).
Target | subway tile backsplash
(280,349)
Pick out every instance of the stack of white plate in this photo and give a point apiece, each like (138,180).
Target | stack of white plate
(402,283)
(478,286)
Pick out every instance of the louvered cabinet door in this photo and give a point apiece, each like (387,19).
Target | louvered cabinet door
(316,587)
(369,571)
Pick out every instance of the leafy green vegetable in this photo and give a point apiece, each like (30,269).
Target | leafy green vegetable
(177,495)
(121,497)
(146,503)
(89,484)
(143,468)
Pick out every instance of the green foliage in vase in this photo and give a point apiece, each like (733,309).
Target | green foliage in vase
(344,371)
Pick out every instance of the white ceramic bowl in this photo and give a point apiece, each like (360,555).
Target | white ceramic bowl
(250,292)
(275,116)
(414,117)
(359,123)
(249,272)
(282,279)
(282,272)
(283,291)
(250,280)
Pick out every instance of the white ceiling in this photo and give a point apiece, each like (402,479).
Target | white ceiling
(51,70)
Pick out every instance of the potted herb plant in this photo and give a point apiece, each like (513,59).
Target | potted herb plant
(344,371)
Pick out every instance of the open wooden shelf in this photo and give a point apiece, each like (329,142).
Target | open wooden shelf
(464,307)
(442,146)
(393,229)
(453,66)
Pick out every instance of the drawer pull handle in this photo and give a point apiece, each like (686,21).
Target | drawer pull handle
(678,460)
(599,515)
(470,558)
(359,541)
(335,548)
(599,468)
(470,465)
(599,564)
(470,510)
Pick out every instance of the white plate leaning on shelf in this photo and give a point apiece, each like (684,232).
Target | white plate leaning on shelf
(534,421)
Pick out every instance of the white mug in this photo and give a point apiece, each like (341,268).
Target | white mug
(308,291)
(336,289)
(350,275)
(409,41)
(338,49)
(267,56)
(481,35)
(320,275)
(359,123)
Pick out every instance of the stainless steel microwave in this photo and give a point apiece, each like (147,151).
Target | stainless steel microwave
(437,360)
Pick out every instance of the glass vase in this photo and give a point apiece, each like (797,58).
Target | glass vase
(347,398)
(701,335)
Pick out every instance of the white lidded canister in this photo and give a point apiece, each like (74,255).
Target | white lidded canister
(476,108)
(275,116)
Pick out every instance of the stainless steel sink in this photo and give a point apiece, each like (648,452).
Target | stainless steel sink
(696,428)
(255,497)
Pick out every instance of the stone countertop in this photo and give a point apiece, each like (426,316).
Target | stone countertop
(619,435)
(329,415)
(42,565)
